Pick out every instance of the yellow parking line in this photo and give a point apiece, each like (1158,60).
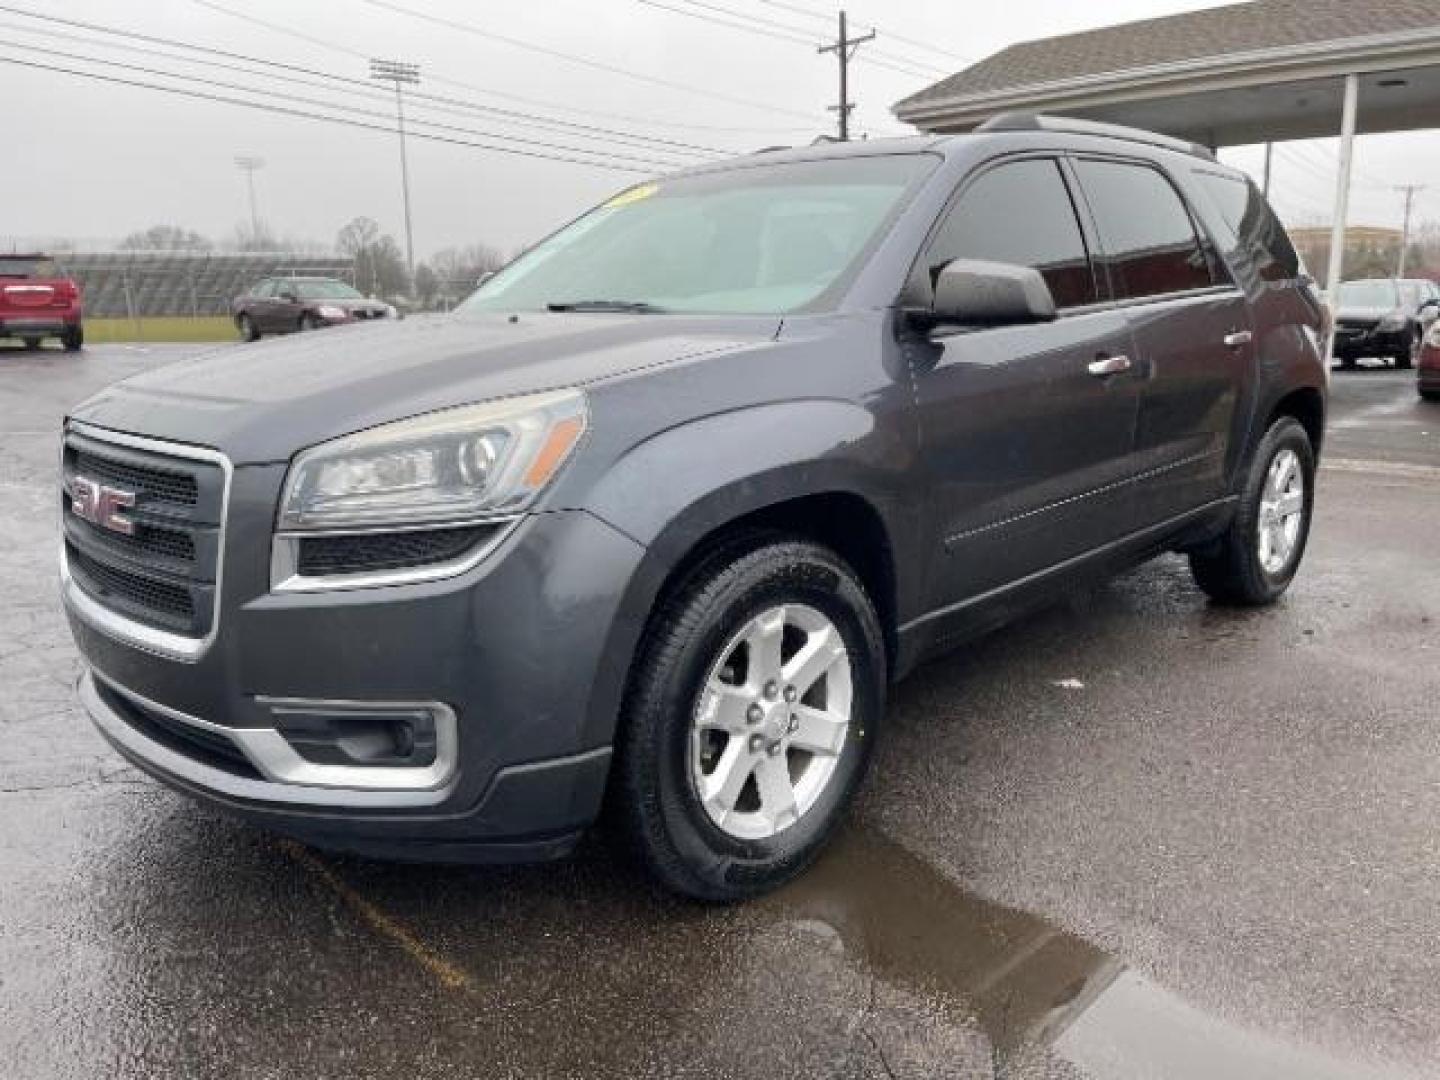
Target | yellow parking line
(446,974)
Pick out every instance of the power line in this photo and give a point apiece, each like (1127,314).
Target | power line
(648,121)
(341,84)
(301,114)
(583,61)
(358,84)
(877,59)
(828,16)
(616,155)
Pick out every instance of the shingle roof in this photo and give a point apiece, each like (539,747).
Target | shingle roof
(1261,24)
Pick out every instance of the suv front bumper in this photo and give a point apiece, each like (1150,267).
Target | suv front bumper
(1354,342)
(522,660)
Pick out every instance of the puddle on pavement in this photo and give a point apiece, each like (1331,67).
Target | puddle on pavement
(1026,983)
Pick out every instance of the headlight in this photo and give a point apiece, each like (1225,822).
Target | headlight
(329,311)
(458,464)
(1391,322)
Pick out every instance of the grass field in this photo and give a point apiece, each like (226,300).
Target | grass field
(206,328)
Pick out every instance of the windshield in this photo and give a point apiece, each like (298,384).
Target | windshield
(1379,293)
(760,240)
(325,290)
(24,267)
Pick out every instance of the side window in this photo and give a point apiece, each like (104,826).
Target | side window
(1150,242)
(1261,234)
(1020,213)
(264,289)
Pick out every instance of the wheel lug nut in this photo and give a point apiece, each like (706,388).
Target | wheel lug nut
(757,743)
(771,690)
(791,694)
(754,714)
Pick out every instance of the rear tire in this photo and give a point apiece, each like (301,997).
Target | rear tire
(1430,395)
(248,330)
(713,790)
(1255,560)
(309,322)
(32,343)
(73,338)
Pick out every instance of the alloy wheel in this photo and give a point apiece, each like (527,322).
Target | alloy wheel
(771,722)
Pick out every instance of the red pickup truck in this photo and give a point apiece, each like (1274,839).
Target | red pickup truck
(37,302)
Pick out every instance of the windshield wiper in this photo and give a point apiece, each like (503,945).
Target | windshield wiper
(639,307)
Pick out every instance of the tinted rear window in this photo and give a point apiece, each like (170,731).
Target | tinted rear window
(1020,213)
(1262,237)
(1150,241)
(41,268)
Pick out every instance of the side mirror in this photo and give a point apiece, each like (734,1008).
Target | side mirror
(979,293)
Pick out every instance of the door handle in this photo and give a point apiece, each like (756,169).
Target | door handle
(1108,365)
(1238,338)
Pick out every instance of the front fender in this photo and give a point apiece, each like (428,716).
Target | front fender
(682,483)
(678,486)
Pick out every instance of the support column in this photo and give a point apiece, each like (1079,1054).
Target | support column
(1342,201)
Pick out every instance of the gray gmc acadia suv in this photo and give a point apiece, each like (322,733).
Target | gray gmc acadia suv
(654,520)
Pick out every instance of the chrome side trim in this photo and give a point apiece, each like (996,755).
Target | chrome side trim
(90,611)
(285,557)
(289,778)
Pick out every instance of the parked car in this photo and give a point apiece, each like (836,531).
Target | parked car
(282,305)
(1384,317)
(1427,368)
(656,517)
(38,301)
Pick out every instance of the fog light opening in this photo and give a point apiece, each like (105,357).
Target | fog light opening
(375,739)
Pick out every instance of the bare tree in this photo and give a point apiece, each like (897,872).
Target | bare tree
(166,238)
(458,269)
(379,263)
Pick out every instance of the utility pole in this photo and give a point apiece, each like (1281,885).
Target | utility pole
(401,74)
(844,47)
(1409,190)
(249,164)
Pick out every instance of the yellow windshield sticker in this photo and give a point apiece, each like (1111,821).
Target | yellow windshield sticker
(632,195)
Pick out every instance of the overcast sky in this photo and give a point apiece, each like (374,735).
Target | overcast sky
(93,160)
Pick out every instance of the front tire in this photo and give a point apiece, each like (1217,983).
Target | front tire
(32,343)
(1255,560)
(248,330)
(73,338)
(749,721)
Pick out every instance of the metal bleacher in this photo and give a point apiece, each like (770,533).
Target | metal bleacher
(151,284)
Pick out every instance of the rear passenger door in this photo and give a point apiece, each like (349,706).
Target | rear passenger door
(1026,442)
(1191,331)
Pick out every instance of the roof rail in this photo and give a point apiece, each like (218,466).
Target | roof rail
(1023,121)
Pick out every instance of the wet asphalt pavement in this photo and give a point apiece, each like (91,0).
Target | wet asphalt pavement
(1135,836)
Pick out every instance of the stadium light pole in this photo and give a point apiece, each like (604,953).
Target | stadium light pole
(402,75)
(249,164)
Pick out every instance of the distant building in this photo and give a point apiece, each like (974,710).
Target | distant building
(1370,250)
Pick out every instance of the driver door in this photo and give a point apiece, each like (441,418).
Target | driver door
(1027,432)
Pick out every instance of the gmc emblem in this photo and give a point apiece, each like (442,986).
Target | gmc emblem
(101,505)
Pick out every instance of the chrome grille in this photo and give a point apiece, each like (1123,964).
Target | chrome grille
(161,568)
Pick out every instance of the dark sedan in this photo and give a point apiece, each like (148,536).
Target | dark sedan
(1383,317)
(284,305)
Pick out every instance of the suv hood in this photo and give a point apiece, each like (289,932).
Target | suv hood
(262,403)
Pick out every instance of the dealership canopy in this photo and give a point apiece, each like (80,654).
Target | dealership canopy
(1266,71)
